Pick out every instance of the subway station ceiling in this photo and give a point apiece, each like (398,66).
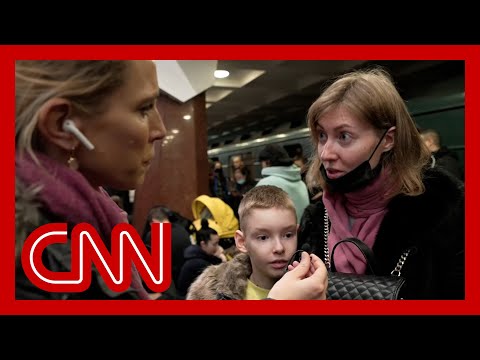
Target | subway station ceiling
(260,96)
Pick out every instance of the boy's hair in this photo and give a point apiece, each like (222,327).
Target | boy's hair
(264,197)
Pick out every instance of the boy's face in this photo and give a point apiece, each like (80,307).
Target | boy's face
(269,237)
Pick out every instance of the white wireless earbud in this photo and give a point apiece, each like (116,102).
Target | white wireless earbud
(69,126)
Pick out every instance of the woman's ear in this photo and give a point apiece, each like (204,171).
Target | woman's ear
(240,241)
(50,120)
(389,139)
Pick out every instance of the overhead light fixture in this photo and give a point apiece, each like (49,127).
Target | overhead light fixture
(187,117)
(221,74)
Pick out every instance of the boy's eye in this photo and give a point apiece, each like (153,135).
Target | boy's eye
(262,237)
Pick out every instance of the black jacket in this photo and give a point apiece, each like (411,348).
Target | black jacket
(196,260)
(432,223)
(180,241)
(448,160)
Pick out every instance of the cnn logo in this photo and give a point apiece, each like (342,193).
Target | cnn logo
(87,248)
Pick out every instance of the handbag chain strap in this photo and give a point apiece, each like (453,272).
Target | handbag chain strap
(325,243)
(396,271)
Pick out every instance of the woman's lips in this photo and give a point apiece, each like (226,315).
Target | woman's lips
(334,174)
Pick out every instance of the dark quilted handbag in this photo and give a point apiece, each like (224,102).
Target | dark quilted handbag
(342,286)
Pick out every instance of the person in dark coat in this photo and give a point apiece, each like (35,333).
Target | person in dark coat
(180,238)
(379,187)
(198,256)
(441,155)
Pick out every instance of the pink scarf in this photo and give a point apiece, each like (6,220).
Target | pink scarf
(67,194)
(366,208)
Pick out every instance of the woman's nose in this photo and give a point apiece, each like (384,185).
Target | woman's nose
(325,151)
(157,127)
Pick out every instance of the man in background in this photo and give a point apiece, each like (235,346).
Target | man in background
(180,241)
(442,156)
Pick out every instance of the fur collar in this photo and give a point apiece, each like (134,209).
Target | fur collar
(227,280)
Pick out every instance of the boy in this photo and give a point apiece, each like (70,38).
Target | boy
(267,239)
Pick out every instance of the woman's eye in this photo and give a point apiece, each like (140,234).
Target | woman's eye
(146,109)
(345,136)
(322,137)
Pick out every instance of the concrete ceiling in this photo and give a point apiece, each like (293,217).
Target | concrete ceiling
(260,96)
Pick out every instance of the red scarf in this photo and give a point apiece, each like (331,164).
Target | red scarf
(365,210)
(67,194)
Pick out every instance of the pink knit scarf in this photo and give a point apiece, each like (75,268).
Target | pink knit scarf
(66,194)
(365,210)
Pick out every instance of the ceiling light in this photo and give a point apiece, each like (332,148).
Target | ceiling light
(221,74)
(187,117)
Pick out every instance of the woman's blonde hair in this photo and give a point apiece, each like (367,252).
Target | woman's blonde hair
(86,83)
(372,96)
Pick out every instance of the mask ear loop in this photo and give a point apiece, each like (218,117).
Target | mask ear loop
(378,144)
(297,255)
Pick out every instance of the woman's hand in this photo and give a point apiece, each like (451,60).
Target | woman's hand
(307,280)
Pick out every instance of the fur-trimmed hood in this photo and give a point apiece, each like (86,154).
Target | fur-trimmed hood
(225,281)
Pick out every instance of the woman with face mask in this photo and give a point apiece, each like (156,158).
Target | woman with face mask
(240,185)
(379,187)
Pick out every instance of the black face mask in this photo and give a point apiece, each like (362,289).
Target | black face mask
(356,179)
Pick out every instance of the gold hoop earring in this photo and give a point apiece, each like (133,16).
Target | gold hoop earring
(72,161)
